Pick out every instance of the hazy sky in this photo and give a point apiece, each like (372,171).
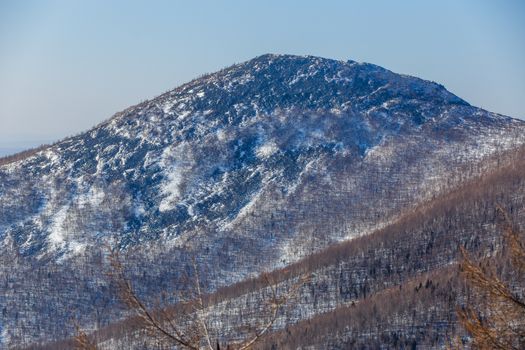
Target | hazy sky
(67,65)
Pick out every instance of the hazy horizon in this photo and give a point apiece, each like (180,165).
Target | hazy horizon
(67,66)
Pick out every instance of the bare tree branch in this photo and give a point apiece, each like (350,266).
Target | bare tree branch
(82,340)
(130,298)
(277,304)
(495,318)
(201,307)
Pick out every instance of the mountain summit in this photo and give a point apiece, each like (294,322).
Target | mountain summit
(249,168)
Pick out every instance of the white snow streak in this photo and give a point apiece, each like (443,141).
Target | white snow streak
(57,233)
(171,189)
(267,150)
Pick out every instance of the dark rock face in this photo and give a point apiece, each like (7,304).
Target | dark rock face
(247,169)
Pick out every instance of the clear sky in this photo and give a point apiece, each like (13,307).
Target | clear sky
(67,65)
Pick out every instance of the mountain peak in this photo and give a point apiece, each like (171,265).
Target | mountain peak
(281,81)
(269,107)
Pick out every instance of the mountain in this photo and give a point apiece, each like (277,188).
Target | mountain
(248,169)
(398,287)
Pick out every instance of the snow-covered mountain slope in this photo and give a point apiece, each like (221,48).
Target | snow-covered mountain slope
(250,168)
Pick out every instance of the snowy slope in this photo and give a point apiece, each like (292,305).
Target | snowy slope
(250,168)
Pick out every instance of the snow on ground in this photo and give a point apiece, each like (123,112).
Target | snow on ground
(221,134)
(52,156)
(76,248)
(267,150)
(93,197)
(138,209)
(182,115)
(246,210)
(57,233)
(171,189)
(167,106)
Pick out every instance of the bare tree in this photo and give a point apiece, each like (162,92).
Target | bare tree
(495,315)
(83,342)
(185,325)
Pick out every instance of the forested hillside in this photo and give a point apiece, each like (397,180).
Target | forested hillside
(258,167)
(398,286)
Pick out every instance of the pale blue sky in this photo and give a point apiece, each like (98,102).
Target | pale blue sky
(67,65)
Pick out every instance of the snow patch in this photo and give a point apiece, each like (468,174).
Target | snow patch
(183,115)
(57,234)
(94,197)
(138,209)
(246,210)
(221,135)
(267,150)
(77,248)
(52,156)
(171,189)
(168,106)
